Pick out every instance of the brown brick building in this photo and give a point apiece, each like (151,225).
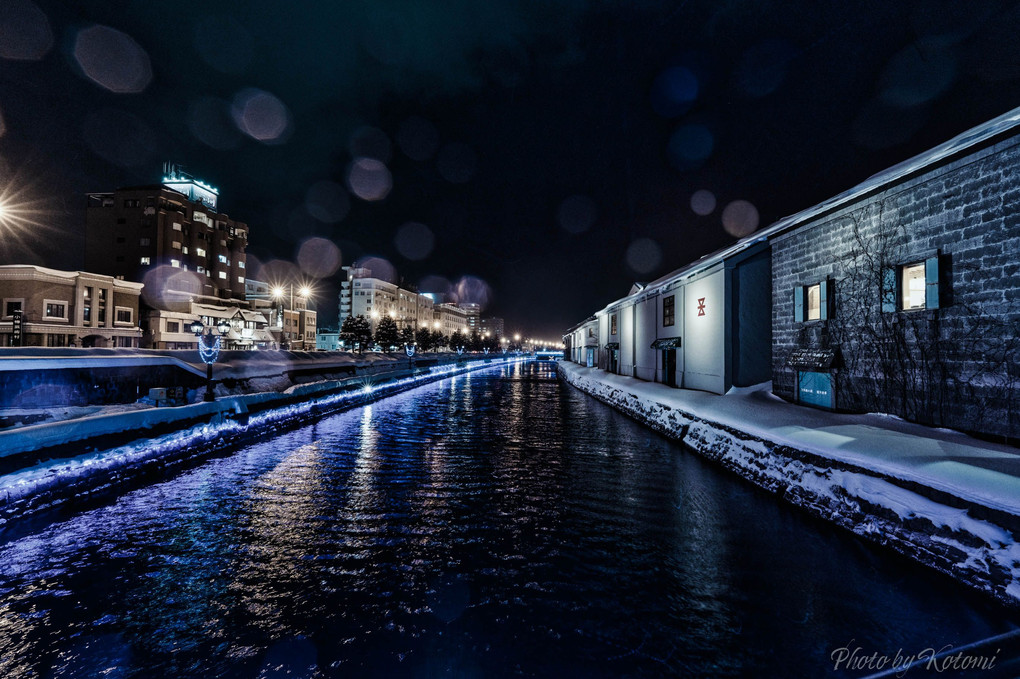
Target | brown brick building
(133,230)
(67,308)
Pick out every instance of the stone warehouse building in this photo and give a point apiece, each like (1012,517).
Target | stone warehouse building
(901,296)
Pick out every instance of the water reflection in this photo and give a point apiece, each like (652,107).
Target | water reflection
(498,524)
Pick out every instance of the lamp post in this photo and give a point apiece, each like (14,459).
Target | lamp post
(279,293)
(209,351)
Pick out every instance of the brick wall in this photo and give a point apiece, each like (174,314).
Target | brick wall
(953,366)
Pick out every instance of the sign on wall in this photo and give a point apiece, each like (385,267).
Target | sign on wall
(17,327)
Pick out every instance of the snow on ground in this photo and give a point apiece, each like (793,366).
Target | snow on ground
(872,474)
(20,417)
(977,471)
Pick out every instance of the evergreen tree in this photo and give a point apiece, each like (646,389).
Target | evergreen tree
(407,335)
(356,332)
(386,333)
(456,340)
(474,341)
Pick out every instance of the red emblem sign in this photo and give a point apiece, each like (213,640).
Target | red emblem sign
(701,306)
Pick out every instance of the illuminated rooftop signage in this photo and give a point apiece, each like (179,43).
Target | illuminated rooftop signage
(177,179)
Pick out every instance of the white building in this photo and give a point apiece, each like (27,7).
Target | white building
(374,298)
(706,326)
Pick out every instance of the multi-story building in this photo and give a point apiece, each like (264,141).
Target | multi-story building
(450,318)
(493,326)
(132,230)
(46,307)
(474,312)
(172,329)
(374,298)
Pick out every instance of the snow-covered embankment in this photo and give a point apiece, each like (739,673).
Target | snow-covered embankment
(974,542)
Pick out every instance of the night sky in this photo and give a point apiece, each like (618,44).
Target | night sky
(550,152)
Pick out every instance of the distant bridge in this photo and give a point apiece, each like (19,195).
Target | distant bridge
(549,354)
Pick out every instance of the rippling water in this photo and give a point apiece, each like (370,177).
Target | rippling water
(495,524)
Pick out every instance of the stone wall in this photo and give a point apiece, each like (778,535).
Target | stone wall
(954,366)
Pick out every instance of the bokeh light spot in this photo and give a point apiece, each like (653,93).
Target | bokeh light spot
(319,257)
(418,138)
(576,214)
(414,241)
(456,163)
(643,255)
(379,268)
(112,60)
(703,202)
(690,146)
(740,218)
(472,290)
(167,285)
(261,116)
(369,179)
(327,201)
(674,91)
(25,33)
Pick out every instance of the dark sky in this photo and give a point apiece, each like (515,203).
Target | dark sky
(547,151)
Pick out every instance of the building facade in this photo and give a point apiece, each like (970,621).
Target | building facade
(903,295)
(494,326)
(46,307)
(134,230)
(374,298)
(900,296)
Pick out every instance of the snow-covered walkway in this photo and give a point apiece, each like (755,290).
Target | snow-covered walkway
(977,471)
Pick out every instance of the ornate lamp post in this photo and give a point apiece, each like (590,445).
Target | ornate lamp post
(209,350)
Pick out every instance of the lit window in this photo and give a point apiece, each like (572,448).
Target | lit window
(814,302)
(240,279)
(176,263)
(223,275)
(199,252)
(912,284)
(223,259)
(146,261)
(240,265)
(184,250)
(176,245)
(56,310)
(177,226)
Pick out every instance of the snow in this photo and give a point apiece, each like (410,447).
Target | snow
(977,471)
(872,474)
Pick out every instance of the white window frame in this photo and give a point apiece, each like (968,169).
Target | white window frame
(905,293)
(131,314)
(46,316)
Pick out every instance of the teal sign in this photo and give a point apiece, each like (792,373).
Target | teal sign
(815,389)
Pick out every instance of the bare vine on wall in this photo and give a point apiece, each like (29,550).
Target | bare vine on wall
(954,365)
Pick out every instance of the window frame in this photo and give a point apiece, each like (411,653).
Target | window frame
(53,302)
(672,311)
(131,315)
(7,300)
(825,301)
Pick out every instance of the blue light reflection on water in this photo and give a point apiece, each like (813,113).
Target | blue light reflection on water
(494,524)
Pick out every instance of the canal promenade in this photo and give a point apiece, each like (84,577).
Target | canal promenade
(938,496)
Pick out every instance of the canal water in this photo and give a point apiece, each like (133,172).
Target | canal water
(497,524)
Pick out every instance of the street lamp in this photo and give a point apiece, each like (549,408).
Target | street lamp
(209,351)
(279,293)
